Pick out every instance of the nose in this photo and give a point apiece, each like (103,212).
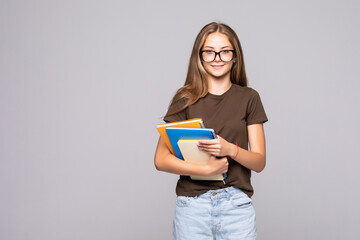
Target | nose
(217,57)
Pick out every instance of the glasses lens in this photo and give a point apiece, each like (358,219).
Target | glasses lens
(208,56)
(226,55)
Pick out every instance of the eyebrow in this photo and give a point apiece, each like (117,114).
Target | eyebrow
(213,48)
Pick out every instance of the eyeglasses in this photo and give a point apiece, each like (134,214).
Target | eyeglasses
(209,55)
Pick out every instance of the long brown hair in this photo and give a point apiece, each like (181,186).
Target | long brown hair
(196,86)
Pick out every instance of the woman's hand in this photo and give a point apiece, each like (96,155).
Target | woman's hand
(218,147)
(216,166)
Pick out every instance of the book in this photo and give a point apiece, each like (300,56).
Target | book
(190,123)
(182,133)
(193,154)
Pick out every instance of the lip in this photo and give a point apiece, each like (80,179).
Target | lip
(217,66)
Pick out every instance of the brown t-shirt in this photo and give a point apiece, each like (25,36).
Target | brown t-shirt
(228,114)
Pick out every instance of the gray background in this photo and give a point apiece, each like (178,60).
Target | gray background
(76,77)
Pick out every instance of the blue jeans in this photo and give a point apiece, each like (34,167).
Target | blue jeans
(217,214)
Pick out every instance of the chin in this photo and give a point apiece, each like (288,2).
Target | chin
(218,75)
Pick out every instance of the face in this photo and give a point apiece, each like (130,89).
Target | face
(218,42)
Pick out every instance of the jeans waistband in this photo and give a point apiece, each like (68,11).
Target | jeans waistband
(220,193)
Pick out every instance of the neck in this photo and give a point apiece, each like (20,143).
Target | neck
(218,86)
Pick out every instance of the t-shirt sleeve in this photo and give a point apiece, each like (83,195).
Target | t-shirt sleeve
(180,116)
(255,110)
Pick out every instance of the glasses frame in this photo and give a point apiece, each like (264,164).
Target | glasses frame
(217,53)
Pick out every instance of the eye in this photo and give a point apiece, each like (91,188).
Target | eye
(226,51)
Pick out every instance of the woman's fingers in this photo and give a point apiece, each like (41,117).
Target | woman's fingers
(215,152)
(208,142)
(217,165)
(214,148)
(211,147)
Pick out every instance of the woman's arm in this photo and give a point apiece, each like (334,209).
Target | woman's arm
(165,161)
(254,159)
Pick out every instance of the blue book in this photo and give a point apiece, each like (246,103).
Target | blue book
(178,133)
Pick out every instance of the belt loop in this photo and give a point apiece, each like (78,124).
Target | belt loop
(228,193)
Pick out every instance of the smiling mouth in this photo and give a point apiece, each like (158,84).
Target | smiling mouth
(217,66)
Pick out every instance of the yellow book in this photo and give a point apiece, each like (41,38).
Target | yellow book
(191,123)
(193,154)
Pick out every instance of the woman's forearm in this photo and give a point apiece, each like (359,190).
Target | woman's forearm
(251,160)
(169,163)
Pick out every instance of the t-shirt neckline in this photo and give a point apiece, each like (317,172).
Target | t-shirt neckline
(222,95)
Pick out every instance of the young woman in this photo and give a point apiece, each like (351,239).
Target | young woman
(216,90)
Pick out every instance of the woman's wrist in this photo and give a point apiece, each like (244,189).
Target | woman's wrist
(199,170)
(205,170)
(234,150)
